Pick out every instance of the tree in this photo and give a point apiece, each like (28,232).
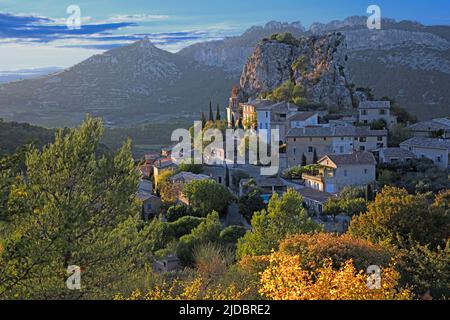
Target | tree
(233,121)
(207,231)
(203,120)
(284,279)
(190,167)
(401,219)
(218,117)
(166,188)
(315,157)
(250,203)
(74,207)
(175,212)
(284,216)
(211,117)
(313,249)
(369,193)
(227,177)
(204,196)
(426,270)
(304,161)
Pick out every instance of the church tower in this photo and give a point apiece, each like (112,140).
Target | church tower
(233,107)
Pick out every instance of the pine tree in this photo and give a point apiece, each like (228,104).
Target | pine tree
(218,117)
(211,117)
(240,125)
(304,163)
(233,121)
(73,207)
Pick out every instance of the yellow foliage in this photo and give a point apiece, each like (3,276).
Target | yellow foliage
(196,289)
(284,279)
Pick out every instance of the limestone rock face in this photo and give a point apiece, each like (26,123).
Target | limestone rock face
(318,64)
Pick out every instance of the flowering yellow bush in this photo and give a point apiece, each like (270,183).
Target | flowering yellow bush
(284,279)
(197,289)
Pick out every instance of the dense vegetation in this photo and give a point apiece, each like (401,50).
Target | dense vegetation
(68,204)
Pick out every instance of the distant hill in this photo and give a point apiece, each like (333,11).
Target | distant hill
(405,60)
(17,75)
(126,86)
(139,84)
(14,135)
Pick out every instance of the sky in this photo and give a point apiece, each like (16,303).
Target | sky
(34,34)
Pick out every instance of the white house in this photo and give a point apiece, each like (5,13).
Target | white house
(371,111)
(338,171)
(434,149)
(303,119)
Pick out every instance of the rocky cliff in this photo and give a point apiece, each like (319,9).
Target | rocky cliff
(318,64)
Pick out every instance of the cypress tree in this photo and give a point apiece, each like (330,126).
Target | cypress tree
(227,177)
(218,117)
(211,117)
(369,193)
(233,121)
(303,160)
(203,119)
(315,158)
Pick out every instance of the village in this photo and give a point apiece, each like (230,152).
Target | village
(323,161)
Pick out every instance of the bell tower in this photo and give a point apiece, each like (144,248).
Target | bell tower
(233,107)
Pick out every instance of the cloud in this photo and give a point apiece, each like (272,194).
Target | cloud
(137,18)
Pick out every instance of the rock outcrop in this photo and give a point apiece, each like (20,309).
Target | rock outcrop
(317,64)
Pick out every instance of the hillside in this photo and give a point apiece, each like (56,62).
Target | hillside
(317,65)
(405,60)
(126,86)
(14,135)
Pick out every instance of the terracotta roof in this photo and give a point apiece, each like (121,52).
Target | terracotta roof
(432,143)
(375,105)
(355,158)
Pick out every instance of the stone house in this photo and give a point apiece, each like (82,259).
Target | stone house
(437,150)
(339,171)
(371,111)
(324,140)
(436,128)
(395,155)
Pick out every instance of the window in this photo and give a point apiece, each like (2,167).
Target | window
(363,139)
(310,149)
(364,112)
(341,149)
(267,114)
(362,148)
(345,173)
(295,139)
(366,171)
(382,111)
(380,138)
(294,150)
(438,159)
(325,139)
(380,145)
(220,180)
(366,122)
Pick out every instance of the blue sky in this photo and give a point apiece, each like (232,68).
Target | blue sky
(33,34)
